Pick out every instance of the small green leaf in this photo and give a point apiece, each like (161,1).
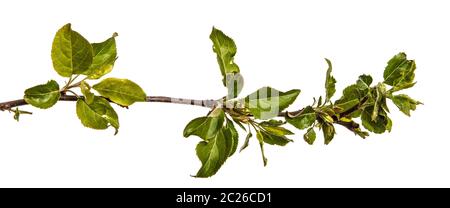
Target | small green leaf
(205,127)
(275,137)
(239,123)
(277,130)
(267,102)
(365,81)
(379,95)
(353,94)
(319,102)
(225,48)
(310,136)
(402,86)
(303,120)
(247,140)
(379,125)
(97,115)
(260,137)
(43,96)
(121,91)
(86,91)
(405,103)
(272,122)
(231,137)
(213,154)
(399,71)
(328,132)
(71,52)
(330,82)
(105,54)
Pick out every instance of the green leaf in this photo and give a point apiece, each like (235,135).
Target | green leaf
(225,48)
(247,140)
(43,96)
(328,132)
(205,127)
(231,137)
(86,91)
(304,119)
(275,137)
(267,102)
(239,123)
(402,86)
(364,81)
(405,103)
(71,52)
(310,136)
(121,91)
(97,115)
(272,122)
(260,137)
(379,97)
(330,82)
(353,94)
(379,125)
(399,71)
(277,130)
(319,102)
(105,54)
(213,154)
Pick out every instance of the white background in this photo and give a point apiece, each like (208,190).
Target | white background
(164,46)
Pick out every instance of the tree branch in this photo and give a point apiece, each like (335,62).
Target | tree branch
(158,99)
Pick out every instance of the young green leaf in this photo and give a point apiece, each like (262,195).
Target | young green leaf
(277,130)
(247,140)
(272,122)
(267,102)
(399,71)
(231,137)
(225,48)
(310,136)
(328,132)
(105,54)
(402,86)
(71,52)
(353,94)
(330,82)
(205,127)
(364,81)
(121,91)
(379,97)
(405,103)
(213,154)
(273,136)
(260,138)
(97,115)
(379,125)
(43,96)
(86,91)
(303,120)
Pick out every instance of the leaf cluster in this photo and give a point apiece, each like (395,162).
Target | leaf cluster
(256,113)
(75,57)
